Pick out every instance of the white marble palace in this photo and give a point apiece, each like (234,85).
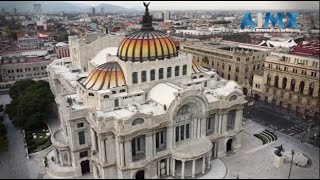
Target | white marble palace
(141,109)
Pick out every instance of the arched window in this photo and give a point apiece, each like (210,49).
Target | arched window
(229,67)
(106,96)
(91,94)
(311,88)
(268,79)
(134,77)
(184,70)
(292,85)
(231,119)
(237,69)
(143,76)
(176,70)
(161,73)
(137,121)
(194,77)
(169,70)
(276,80)
(284,83)
(152,75)
(254,67)
(301,87)
(200,76)
(222,65)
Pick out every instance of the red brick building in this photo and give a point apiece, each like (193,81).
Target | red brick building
(62,50)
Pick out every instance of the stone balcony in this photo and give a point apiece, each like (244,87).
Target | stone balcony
(56,171)
(59,139)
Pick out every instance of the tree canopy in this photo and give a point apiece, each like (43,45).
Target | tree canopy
(30,105)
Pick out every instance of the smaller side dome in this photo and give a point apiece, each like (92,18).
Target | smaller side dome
(197,68)
(105,76)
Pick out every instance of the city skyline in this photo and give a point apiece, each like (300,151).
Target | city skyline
(205,5)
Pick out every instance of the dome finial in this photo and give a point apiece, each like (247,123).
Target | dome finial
(146,5)
(147,19)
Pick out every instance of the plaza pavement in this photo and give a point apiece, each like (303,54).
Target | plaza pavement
(254,160)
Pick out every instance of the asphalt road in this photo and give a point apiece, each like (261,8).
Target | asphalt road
(273,117)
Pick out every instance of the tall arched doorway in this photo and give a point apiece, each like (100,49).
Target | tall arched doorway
(85,167)
(256,97)
(140,174)
(229,145)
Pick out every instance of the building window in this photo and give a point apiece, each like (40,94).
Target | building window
(176,70)
(82,139)
(311,88)
(301,87)
(228,76)
(134,77)
(231,119)
(161,139)
(229,68)
(284,83)
(276,80)
(182,132)
(169,70)
(161,73)
(254,67)
(184,70)
(138,148)
(293,83)
(79,125)
(116,103)
(210,124)
(143,76)
(152,75)
(238,59)
(83,154)
(237,69)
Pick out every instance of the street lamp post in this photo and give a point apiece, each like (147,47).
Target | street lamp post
(292,153)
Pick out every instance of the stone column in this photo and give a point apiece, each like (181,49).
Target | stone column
(128,152)
(154,150)
(209,162)
(182,170)
(203,126)
(224,123)
(168,166)
(193,168)
(93,139)
(61,157)
(199,128)
(121,153)
(69,159)
(203,164)
(149,147)
(102,151)
(173,167)
(174,137)
(56,160)
(216,124)
(170,139)
(195,128)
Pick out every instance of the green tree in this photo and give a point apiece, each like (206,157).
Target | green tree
(30,106)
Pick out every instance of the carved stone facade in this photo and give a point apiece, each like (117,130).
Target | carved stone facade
(290,81)
(167,115)
(231,60)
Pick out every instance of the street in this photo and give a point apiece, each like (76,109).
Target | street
(14,164)
(275,118)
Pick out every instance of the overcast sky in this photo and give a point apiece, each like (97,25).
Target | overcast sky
(171,5)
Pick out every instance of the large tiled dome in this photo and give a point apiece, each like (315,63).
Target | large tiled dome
(147,44)
(105,76)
